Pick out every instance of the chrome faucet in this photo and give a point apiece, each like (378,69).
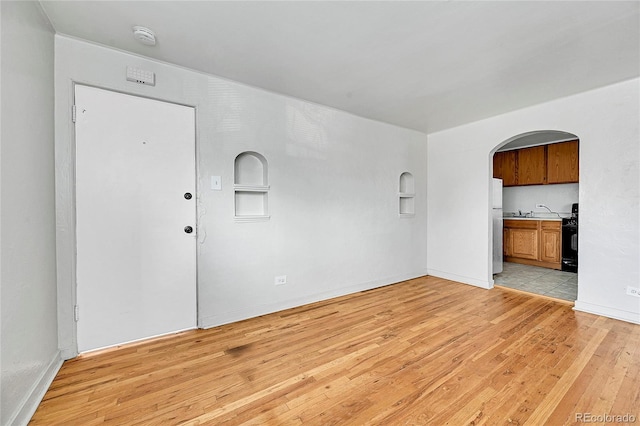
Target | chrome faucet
(550,211)
(542,205)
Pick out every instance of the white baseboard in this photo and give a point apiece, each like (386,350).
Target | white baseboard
(252,312)
(31,401)
(632,317)
(461,279)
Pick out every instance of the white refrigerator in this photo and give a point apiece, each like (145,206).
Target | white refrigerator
(497,225)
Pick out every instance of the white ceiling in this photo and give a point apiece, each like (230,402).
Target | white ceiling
(424,65)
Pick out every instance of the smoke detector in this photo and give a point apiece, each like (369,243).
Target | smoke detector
(144,35)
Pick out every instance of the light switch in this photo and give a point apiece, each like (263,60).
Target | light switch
(216,183)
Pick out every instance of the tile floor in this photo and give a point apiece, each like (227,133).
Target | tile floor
(533,279)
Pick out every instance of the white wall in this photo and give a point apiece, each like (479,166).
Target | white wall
(334,226)
(459,169)
(558,198)
(30,355)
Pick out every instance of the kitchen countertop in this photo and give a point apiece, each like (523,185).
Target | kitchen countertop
(557,219)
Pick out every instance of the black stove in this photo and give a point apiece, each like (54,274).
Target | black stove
(570,241)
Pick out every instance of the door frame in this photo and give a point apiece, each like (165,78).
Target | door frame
(66,238)
(492,152)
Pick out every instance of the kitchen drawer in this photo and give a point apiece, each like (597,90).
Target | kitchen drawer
(551,225)
(521,224)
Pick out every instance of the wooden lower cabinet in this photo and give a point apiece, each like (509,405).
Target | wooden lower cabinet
(533,242)
(524,241)
(550,244)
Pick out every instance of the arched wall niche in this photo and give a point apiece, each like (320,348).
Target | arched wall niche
(251,168)
(407,183)
(251,187)
(406,195)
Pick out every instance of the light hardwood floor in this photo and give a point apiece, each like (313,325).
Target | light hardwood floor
(425,351)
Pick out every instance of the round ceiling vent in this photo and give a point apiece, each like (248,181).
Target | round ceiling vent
(144,35)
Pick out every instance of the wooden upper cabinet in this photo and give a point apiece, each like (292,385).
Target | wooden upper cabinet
(504,167)
(562,162)
(532,166)
(538,165)
(497,165)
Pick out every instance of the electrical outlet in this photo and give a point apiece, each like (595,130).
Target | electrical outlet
(280,280)
(633,291)
(540,206)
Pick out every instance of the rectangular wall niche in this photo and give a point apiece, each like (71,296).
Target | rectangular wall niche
(251,187)
(406,195)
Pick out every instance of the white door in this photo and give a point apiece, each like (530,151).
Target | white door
(136,261)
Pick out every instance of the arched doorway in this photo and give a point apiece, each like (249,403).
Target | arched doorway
(539,171)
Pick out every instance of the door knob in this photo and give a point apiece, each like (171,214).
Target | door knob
(187,195)
(188,229)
